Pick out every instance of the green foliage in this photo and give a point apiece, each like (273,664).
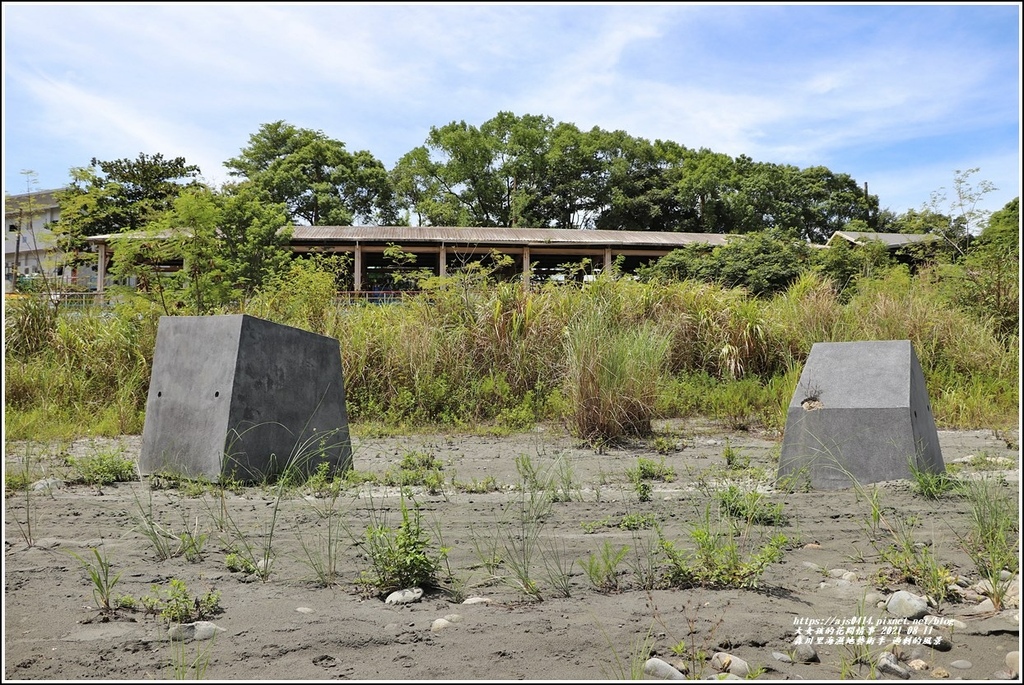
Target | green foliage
(229,245)
(606,358)
(104,467)
(321,547)
(87,377)
(401,556)
(302,294)
(751,506)
(964,219)
(17,480)
(185,666)
(29,325)
(932,485)
(986,281)
(602,569)
(189,541)
(114,196)
(762,262)
(722,556)
(611,375)
(993,542)
(175,604)
(637,521)
(417,468)
(734,459)
(19,476)
(645,471)
(663,445)
(912,562)
(103,580)
(315,177)
(648,469)
(843,264)
(238,563)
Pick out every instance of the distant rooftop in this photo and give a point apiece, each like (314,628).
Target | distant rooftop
(891,240)
(507,236)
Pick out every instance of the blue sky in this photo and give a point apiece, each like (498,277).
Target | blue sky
(897,96)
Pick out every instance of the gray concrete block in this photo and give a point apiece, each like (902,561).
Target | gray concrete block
(860,413)
(243,398)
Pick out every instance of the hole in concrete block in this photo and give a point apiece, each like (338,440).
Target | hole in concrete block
(217,394)
(812,403)
(159,394)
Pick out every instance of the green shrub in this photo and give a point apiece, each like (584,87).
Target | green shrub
(104,468)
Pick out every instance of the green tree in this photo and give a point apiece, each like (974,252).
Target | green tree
(575,188)
(767,197)
(252,237)
(116,196)
(1003,230)
(641,192)
(913,221)
(227,244)
(964,219)
(986,281)
(830,201)
(316,178)
(493,175)
(692,262)
(707,182)
(844,264)
(763,262)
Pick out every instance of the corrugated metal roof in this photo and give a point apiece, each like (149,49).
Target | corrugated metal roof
(890,239)
(503,236)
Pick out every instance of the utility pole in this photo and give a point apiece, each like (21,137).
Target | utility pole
(17,251)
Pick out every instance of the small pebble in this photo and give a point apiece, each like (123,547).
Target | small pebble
(722,661)
(404,596)
(888,664)
(657,668)
(962,664)
(199,630)
(1013,661)
(805,654)
(48,484)
(918,665)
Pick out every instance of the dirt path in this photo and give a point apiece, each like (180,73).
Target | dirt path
(289,627)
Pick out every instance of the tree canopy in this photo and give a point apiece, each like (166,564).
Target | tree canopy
(315,177)
(119,195)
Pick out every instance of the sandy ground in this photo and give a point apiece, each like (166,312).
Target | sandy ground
(290,627)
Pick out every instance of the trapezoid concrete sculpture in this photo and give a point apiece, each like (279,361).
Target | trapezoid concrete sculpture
(860,414)
(239,397)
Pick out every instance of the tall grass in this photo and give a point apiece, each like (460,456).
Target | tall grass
(611,378)
(605,357)
(72,373)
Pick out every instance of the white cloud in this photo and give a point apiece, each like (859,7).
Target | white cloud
(776,83)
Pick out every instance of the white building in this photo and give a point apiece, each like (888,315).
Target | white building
(30,247)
